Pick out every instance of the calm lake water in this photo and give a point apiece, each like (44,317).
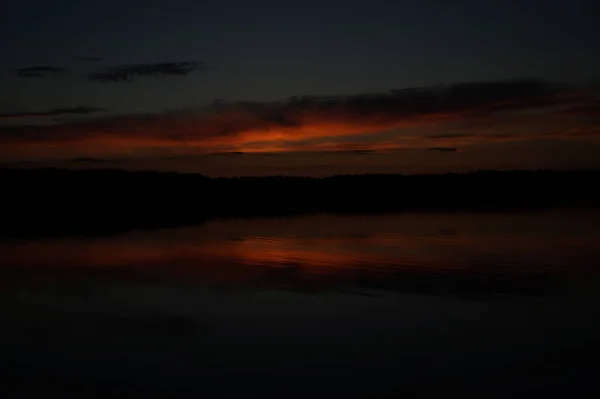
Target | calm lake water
(487,304)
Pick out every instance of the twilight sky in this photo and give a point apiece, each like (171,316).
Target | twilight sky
(314,87)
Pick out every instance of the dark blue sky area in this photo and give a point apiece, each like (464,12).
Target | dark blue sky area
(269,50)
(132,84)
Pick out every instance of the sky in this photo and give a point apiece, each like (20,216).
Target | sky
(306,88)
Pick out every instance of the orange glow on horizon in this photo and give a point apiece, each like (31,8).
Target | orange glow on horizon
(200,134)
(275,130)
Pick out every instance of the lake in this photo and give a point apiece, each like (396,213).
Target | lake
(502,304)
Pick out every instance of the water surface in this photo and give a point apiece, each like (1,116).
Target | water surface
(415,303)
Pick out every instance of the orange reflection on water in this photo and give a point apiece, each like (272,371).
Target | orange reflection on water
(369,251)
(201,256)
(285,251)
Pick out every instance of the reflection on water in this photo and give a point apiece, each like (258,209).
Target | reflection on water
(490,253)
(443,297)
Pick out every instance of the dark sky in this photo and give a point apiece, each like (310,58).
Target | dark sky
(54,109)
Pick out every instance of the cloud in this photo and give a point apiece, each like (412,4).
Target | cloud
(79,110)
(438,118)
(91,59)
(89,160)
(585,131)
(159,69)
(228,153)
(37,71)
(356,152)
(443,149)
(584,110)
(450,135)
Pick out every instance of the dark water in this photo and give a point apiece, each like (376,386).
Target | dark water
(417,305)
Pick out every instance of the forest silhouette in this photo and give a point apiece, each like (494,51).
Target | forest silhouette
(55,202)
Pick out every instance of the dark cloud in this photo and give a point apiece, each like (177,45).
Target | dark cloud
(79,110)
(228,153)
(18,163)
(91,59)
(89,160)
(587,131)
(37,71)
(443,149)
(586,110)
(467,97)
(367,152)
(501,135)
(355,152)
(414,119)
(450,135)
(160,70)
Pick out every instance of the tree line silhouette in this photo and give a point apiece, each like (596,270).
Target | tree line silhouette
(61,201)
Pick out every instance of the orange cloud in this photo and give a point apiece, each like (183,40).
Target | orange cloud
(417,118)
